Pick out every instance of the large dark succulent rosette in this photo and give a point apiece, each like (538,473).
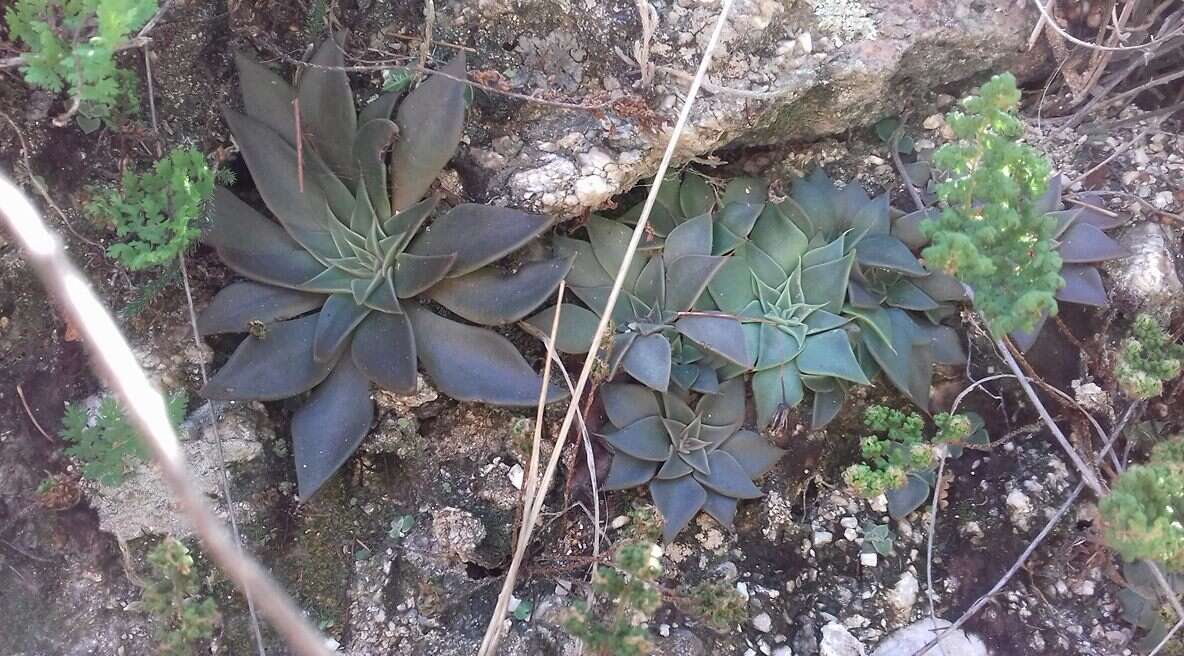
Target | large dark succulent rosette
(1082,243)
(692,457)
(339,286)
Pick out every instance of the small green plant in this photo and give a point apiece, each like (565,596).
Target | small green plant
(716,603)
(156,213)
(172,595)
(1147,359)
(990,233)
(71,44)
(692,458)
(108,446)
(628,596)
(900,464)
(1144,512)
(878,539)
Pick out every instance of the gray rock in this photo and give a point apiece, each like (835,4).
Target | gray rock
(681,643)
(910,639)
(784,71)
(1147,279)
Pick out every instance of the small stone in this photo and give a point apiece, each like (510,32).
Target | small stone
(932,122)
(1019,507)
(823,537)
(849,522)
(904,594)
(869,559)
(516,475)
(1084,588)
(912,638)
(806,43)
(783,650)
(664,630)
(619,522)
(762,623)
(838,641)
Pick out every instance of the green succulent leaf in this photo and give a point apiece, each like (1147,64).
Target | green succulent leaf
(647,359)
(1083,284)
(493,298)
(276,366)
(625,403)
(267,97)
(727,477)
(678,500)
(774,389)
(431,122)
(256,247)
(327,116)
(908,497)
(720,335)
(577,327)
(644,439)
(492,371)
(234,308)
(830,354)
(1085,243)
(695,196)
(329,427)
(753,453)
(478,235)
(383,349)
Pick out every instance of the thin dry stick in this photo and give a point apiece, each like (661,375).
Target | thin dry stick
(425,46)
(1167,638)
(1087,473)
(1039,29)
(231,511)
(112,358)
(929,594)
(493,631)
(36,424)
(299,137)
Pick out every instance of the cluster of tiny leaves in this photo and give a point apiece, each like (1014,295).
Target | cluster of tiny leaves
(989,233)
(628,597)
(1144,513)
(902,449)
(172,595)
(109,446)
(1148,357)
(156,213)
(71,44)
(877,538)
(717,604)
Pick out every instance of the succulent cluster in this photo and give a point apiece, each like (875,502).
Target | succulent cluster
(692,457)
(1147,358)
(1144,512)
(900,464)
(338,287)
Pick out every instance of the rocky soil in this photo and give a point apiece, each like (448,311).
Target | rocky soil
(403,552)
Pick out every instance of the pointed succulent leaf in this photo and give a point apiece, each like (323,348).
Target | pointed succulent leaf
(675,467)
(577,327)
(904,294)
(478,234)
(1064,219)
(693,237)
(1050,200)
(720,507)
(908,227)
(586,270)
(415,274)
(1083,284)
(1094,212)
(813,195)
(372,140)
(779,238)
(1085,243)
(941,287)
(276,366)
(695,196)
(720,335)
(825,284)
(777,345)
(746,191)
(908,497)
(335,322)
(687,277)
(329,427)
(773,389)
(406,223)
(697,460)
(383,349)
(727,477)
(1026,339)
(648,360)
(431,122)
(474,364)
(644,439)
(678,500)
(492,298)
(626,403)
(267,97)
(327,116)
(626,471)
(383,298)
(888,252)
(725,408)
(610,240)
(736,221)
(753,452)
(731,286)
(329,281)
(894,355)
(273,166)
(237,305)
(827,404)
(821,320)
(823,253)
(830,354)
(944,344)
(257,247)
(865,216)
(650,287)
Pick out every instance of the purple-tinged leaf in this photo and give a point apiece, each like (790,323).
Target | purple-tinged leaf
(276,366)
(431,122)
(234,308)
(329,427)
(383,349)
